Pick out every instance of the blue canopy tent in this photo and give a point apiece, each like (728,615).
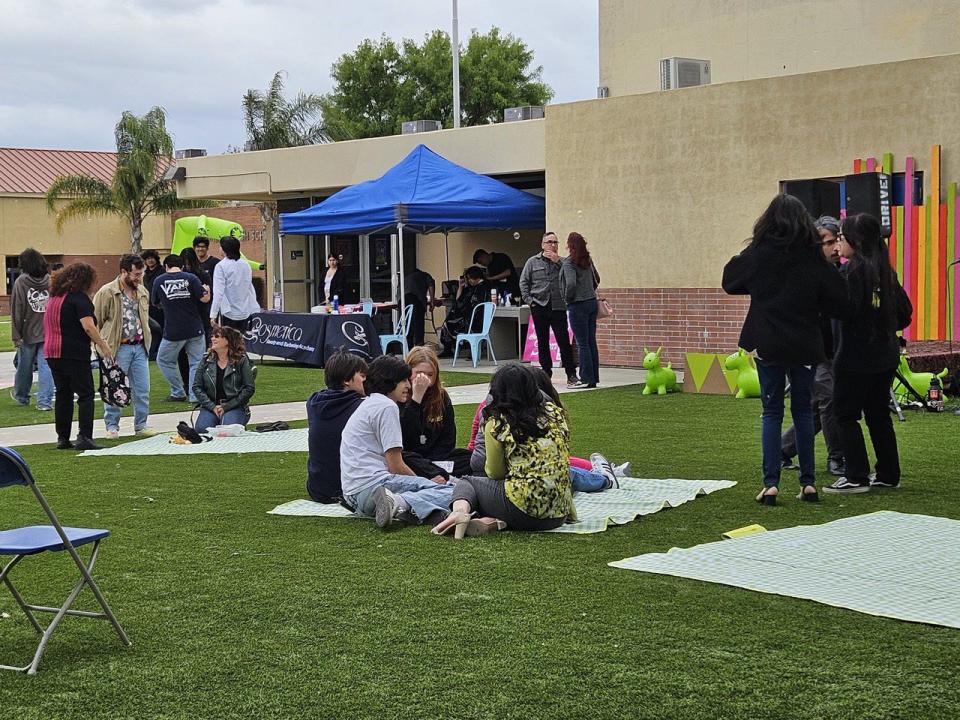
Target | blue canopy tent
(424,192)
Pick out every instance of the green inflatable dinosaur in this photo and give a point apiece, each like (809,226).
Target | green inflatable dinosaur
(748,381)
(659,379)
(187,228)
(919,381)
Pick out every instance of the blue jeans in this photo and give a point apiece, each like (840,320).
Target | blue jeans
(423,496)
(772,383)
(207,419)
(583,322)
(167,362)
(586,481)
(23,381)
(132,359)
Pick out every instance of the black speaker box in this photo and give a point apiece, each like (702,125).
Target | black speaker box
(869,193)
(819,197)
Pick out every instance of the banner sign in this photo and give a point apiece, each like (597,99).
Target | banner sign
(311,338)
(354,333)
(531,351)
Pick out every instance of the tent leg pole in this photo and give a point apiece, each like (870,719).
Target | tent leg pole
(280,267)
(446,253)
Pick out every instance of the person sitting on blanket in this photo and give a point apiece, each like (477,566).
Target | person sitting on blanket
(224,381)
(591,475)
(527,465)
(375,479)
(428,422)
(327,414)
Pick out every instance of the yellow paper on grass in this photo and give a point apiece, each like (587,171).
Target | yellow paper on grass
(743,532)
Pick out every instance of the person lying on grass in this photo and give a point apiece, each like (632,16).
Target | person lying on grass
(224,381)
(327,415)
(527,465)
(375,479)
(591,475)
(428,421)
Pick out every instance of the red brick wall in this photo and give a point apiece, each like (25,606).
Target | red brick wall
(680,319)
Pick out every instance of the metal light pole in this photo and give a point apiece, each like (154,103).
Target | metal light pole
(455,49)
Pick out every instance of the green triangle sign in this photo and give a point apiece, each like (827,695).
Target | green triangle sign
(698,365)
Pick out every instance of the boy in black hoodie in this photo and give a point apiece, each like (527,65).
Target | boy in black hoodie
(327,414)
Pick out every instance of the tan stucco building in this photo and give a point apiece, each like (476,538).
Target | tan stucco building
(665,186)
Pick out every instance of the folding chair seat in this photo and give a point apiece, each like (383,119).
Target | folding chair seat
(36,539)
(476,340)
(400,332)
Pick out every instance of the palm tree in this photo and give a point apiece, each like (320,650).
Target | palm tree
(273,121)
(138,187)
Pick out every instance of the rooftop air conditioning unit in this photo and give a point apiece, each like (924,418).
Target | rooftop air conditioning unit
(419,126)
(189,153)
(683,72)
(526,112)
(602,92)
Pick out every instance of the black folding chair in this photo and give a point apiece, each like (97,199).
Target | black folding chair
(36,539)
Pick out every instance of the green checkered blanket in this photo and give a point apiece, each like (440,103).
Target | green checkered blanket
(596,511)
(886,563)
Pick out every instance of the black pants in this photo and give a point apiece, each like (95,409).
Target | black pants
(867,393)
(240,325)
(425,467)
(69,377)
(544,320)
(417,321)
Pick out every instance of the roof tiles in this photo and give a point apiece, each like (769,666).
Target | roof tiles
(29,171)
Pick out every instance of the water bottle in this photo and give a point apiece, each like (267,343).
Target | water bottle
(935,395)
(336,303)
(493,295)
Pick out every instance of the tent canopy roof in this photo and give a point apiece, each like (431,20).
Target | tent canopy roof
(425,192)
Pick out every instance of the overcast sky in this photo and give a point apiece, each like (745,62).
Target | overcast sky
(69,69)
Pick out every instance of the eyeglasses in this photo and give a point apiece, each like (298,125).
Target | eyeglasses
(552,242)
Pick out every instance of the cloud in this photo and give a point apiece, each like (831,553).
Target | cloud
(70,69)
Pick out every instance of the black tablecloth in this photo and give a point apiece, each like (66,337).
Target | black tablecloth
(311,338)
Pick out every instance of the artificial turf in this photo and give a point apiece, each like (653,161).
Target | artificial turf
(235,613)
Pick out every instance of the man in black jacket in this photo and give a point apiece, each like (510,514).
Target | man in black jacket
(327,414)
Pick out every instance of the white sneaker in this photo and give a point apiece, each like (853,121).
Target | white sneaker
(112,435)
(603,467)
(146,432)
(623,470)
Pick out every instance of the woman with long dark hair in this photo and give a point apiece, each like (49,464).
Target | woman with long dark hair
(224,381)
(528,483)
(69,326)
(578,284)
(334,281)
(867,355)
(791,285)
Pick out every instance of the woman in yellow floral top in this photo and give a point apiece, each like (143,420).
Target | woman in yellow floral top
(528,454)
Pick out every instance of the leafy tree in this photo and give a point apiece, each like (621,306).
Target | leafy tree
(381,85)
(273,121)
(144,152)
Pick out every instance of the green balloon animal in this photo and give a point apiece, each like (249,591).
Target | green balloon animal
(659,379)
(919,381)
(748,381)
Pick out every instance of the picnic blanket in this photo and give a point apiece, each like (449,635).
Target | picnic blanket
(596,511)
(886,563)
(249,442)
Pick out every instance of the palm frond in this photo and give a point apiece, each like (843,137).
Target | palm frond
(80,207)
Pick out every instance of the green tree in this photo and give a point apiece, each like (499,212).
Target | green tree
(138,188)
(273,121)
(380,85)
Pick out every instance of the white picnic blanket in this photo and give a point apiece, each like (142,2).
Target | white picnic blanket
(596,511)
(249,442)
(885,563)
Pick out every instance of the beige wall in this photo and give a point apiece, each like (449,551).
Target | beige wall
(316,169)
(666,186)
(748,39)
(462,246)
(25,222)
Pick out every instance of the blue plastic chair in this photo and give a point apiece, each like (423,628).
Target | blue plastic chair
(36,539)
(489,309)
(400,333)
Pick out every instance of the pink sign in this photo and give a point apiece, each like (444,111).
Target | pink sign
(531,352)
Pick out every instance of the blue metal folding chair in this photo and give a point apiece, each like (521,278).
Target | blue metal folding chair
(474,339)
(400,333)
(33,540)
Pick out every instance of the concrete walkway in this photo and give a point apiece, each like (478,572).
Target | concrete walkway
(167,422)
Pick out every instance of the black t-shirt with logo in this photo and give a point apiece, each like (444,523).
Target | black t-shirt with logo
(64,336)
(178,294)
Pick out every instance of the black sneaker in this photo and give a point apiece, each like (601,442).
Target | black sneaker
(882,484)
(846,487)
(85,443)
(787,463)
(574,382)
(174,398)
(64,444)
(836,467)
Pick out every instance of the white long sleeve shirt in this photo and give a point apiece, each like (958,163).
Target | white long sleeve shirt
(233,293)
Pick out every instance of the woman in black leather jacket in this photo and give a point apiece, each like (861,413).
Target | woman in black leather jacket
(224,381)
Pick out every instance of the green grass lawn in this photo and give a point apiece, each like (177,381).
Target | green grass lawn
(6,344)
(238,614)
(276,382)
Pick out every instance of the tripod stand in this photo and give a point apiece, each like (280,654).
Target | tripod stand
(902,383)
